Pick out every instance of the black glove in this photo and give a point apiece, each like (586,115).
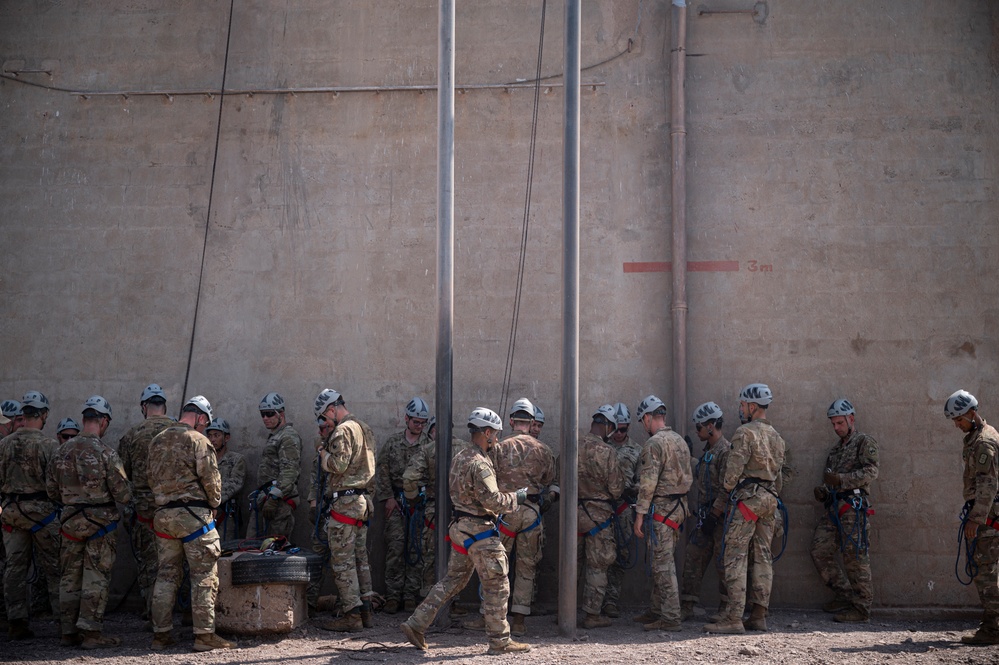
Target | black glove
(821,493)
(708,524)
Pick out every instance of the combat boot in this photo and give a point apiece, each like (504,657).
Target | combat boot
(686,610)
(517,626)
(477,622)
(17,629)
(853,615)
(725,626)
(596,621)
(71,640)
(414,636)
(664,625)
(349,623)
(611,610)
(982,636)
(92,639)
(391,606)
(458,610)
(409,605)
(648,616)
(367,617)
(757,619)
(509,647)
(210,642)
(162,640)
(837,604)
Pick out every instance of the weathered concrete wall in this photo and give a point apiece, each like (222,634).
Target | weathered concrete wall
(842,154)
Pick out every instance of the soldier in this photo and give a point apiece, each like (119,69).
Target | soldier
(539,422)
(318,516)
(232,469)
(184,476)
(474,539)
(133,449)
(981,509)
(29,518)
(348,456)
(704,542)
(403,575)
(628,453)
(11,418)
(600,486)
(843,528)
(280,462)
(664,478)
(752,483)
(87,478)
(67,429)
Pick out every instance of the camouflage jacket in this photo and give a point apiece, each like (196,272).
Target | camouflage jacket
(232,469)
(981,472)
(281,461)
(472,483)
(600,476)
(856,462)
(393,458)
(85,472)
(351,460)
(664,469)
(183,467)
(24,458)
(523,461)
(628,455)
(421,472)
(757,452)
(708,473)
(133,450)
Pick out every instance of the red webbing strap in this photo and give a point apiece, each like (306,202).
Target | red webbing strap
(505,531)
(746,512)
(455,546)
(665,520)
(344,519)
(73,538)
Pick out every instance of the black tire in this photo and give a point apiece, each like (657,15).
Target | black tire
(315,565)
(278,568)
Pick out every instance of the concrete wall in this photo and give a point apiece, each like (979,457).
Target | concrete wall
(842,154)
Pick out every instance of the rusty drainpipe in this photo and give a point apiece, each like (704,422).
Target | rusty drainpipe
(678,144)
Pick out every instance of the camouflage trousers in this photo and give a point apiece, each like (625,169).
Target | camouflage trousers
(665,590)
(842,567)
(86,564)
(20,545)
(201,554)
(3,567)
(615,574)
(146,555)
(594,552)
(488,558)
(702,552)
(273,517)
(320,546)
(402,580)
(347,542)
(527,541)
(987,579)
(429,572)
(747,561)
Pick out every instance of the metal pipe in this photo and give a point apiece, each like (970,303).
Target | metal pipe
(445,279)
(678,141)
(570,325)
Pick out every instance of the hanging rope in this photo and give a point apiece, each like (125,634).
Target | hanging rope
(511,347)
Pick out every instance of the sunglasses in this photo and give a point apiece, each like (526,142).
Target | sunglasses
(622,430)
(63,438)
(268,414)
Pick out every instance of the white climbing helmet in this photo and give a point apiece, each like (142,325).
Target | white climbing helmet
(840,407)
(483,417)
(150,391)
(35,399)
(220,424)
(523,404)
(606,411)
(959,404)
(98,404)
(324,399)
(621,414)
(705,412)
(757,393)
(648,405)
(271,402)
(10,408)
(539,415)
(67,423)
(418,408)
(203,405)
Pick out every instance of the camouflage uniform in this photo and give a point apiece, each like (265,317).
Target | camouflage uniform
(317,528)
(86,476)
(351,467)
(402,579)
(856,463)
(280,462)
(184,477)
(420,478)
(628,454)
(600,486)
(702,548)
(751,481)
(981,485)
(29,517)
(664,478)
(477,502)
(133,450)
(523,461)
(232,469)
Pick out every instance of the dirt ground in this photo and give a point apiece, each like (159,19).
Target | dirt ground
(795,637)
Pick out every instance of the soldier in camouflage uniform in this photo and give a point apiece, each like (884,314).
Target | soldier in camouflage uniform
(981,514)
(628,453)
(184,476)
(232,469)
(474,539)
(318,516)
(280,464)
(538,423)
(403,575)
(664,478)
(704,542)
(87,478)
(133,449)
(29,518)
(840,543)
(600,486)
(12,418)
(752,482)
(348,457)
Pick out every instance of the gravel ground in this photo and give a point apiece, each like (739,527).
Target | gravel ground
(795,637)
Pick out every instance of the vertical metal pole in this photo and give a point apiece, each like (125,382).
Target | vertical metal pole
(570,325)
(445,274)
(678,141)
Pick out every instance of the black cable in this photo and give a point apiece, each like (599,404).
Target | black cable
(508,370)
(208,216)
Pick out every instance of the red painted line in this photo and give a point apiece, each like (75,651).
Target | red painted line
(692,266)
